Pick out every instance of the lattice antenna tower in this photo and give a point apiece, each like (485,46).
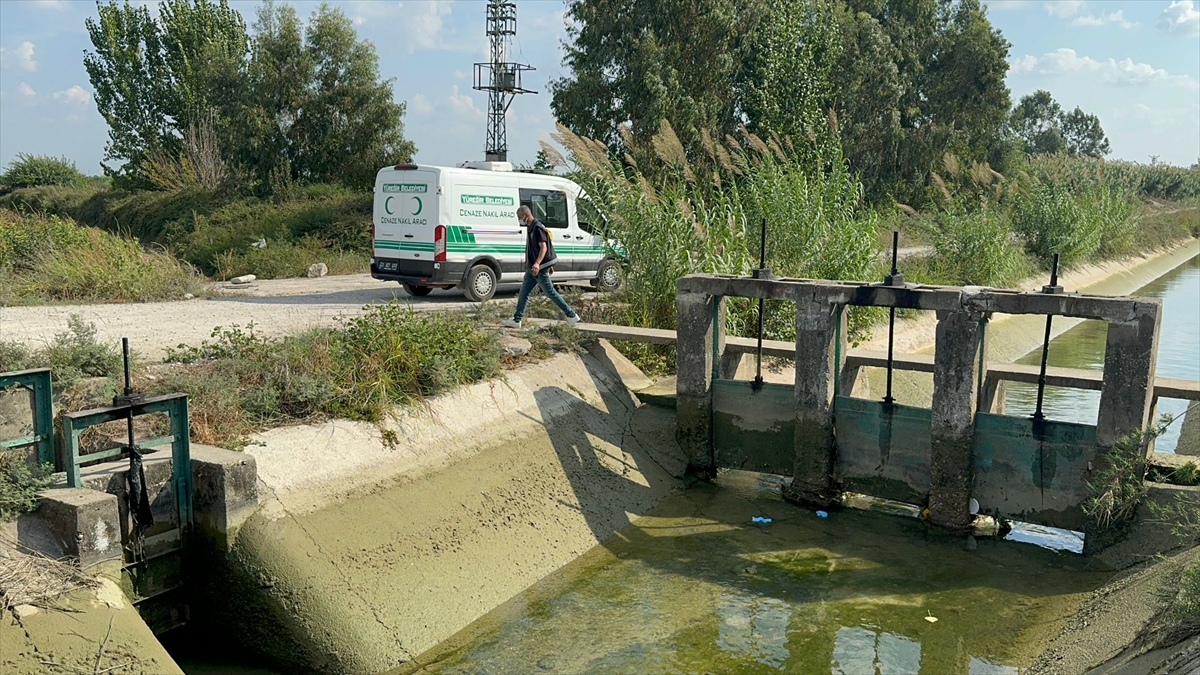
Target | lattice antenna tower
(500,78)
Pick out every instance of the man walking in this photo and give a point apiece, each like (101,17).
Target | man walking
(539,255)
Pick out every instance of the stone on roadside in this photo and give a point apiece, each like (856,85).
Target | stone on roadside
(188,296)
(317,270)
(244,279)
(515,346)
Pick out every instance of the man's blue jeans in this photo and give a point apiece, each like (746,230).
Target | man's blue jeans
(542,280)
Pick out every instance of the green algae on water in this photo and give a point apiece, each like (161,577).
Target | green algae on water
(695,587)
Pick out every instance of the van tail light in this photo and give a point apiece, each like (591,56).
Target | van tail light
(439,243)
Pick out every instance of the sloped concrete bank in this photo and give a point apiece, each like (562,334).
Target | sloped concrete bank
(365,553)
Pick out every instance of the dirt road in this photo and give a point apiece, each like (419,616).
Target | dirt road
(275,307)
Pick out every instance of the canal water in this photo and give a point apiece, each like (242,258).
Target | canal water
(1083,347)
(698,587)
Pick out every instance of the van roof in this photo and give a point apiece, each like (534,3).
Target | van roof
(467,171)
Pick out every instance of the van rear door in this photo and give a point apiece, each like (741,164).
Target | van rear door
(405,215)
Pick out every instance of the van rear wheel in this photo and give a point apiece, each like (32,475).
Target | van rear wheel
(417,291)
(480,283)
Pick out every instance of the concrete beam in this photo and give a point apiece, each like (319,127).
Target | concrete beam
(820,340)
(940,298)
(700,337)
(1129,366)
(958,352)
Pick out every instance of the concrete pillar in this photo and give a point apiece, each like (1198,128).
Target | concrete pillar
(76,523)
(224,492)
(700,336)
(957,354)
(1125,400)
(820,341)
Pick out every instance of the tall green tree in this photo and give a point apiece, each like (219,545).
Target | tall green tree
(1036,120)
(902,82)
(155,78)
(637,62)
(1084,135)
(1040,124)
(130,77)
(349,124)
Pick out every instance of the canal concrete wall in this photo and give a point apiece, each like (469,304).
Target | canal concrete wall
(373,545)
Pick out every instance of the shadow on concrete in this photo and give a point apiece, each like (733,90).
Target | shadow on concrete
(607,490)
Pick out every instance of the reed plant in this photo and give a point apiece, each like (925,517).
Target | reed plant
(675,215)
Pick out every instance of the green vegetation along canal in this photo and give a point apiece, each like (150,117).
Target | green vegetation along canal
(698,588)
(1083,347)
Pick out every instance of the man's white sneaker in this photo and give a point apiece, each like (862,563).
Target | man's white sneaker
(573,319)
(510,323)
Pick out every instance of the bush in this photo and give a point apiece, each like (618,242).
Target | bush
(1052,221)
(240,381)
(284,259)
(20,483)
(35,170)
(976,249)
(204,228)
(48,259)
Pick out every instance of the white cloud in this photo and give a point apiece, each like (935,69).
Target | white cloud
(421,105)
(1117,18)
(21,57)
(25,90)
(1180,18)
(426,26)
(1064,9)
(51,4)
(74,94)
(463,105)
(1066,62)
(459,75)
(1007,4)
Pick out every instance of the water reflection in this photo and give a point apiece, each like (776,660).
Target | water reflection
(754,628)
(1083,347)
(859,651)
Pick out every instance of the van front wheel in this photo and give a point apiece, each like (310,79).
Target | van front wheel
(608,276)
(417,291)
(480,284)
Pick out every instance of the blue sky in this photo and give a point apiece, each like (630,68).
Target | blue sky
(1135,64)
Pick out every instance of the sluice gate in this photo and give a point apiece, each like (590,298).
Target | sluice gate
(960,448)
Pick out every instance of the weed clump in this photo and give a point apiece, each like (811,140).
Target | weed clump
(48,259)
(73,354)
(20,483)
(241,381)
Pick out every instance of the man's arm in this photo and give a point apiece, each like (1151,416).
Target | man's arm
(537,264)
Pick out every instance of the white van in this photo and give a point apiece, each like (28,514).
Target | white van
(442,227)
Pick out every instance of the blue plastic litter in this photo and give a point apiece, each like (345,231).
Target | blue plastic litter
(760,519)
(822,514)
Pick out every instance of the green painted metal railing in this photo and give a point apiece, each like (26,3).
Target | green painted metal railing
(37,381)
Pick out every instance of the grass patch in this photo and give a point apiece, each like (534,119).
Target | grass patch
(239,382)
(320,223)
(72,355)
(48,259)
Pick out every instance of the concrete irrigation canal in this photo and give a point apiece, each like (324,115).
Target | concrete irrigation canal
(852,511)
